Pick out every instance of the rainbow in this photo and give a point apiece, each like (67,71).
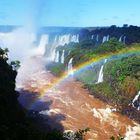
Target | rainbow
(120,53)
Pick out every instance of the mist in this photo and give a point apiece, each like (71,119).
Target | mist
(20,41)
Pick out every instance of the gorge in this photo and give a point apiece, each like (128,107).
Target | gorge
(69,98)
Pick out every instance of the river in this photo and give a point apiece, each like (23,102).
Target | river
(78,108)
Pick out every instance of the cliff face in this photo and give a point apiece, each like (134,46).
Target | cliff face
(11,113)
(14,123)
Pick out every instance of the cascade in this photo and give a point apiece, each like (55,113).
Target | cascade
(42,45)
(55,39)
(92,37)
(100,78)
(64,39)
(124,39)
(57,57)
(97,38)
(61,40)
(107,38)
(104,39)
(70,67)
(135,102)
(63,56)
(120,39)
(74,38)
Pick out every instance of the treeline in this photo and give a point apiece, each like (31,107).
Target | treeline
(132,33)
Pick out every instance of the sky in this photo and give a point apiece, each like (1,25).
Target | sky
(74,13)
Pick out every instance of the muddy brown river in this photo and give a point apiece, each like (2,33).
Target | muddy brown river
(79,108)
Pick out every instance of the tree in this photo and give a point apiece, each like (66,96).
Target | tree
(15,64)
(112,45)
(4,53)
(6,50)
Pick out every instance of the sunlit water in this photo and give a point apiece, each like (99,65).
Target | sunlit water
(70,99)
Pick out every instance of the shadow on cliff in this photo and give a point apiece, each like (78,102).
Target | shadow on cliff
(44,121)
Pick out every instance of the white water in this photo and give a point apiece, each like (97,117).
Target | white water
(74,38)
(124,39)
(135,100)
(63,57)
(120,39)
(105,38)
(97,38)
(57,57)
(70,67)
(133,133)
(40,50)
(60,40)
(100,78)
(80,109)
(92,37)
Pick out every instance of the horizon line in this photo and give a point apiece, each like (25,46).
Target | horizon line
(54,26)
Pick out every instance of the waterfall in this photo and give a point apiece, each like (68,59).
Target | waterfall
(124,39)
(61,40)
(55,39)
(92,37)
(57,57)
(64,39)
(107,38)
(70,67)
(63,56)
(135,102)
(42,45)
(104,39)
(97,38)
(120,39)
(74,38)
(100,78)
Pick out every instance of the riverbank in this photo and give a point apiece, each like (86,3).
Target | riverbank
(127,110)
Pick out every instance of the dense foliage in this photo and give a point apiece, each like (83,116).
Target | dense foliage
(121,81)
(121,75)
(132,33)
(56,68)
(112,45)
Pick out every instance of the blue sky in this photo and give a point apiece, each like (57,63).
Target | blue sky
(70,12)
